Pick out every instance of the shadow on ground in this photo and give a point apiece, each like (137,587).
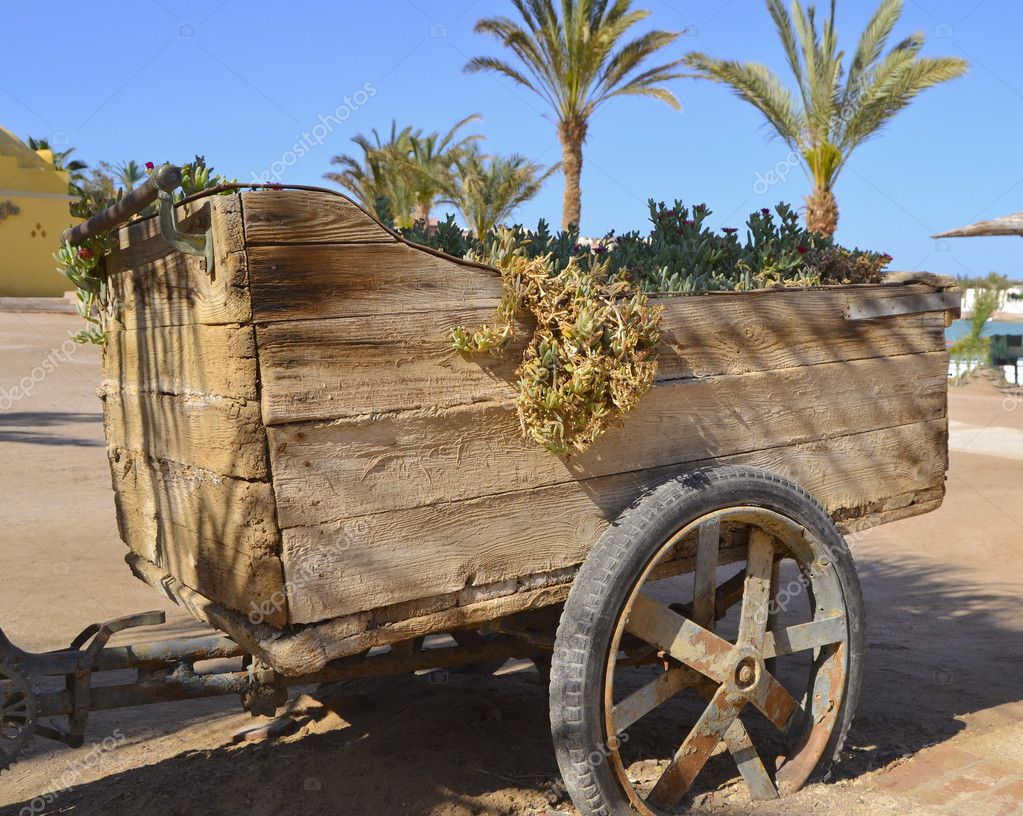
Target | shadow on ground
(34,428)
(452,744)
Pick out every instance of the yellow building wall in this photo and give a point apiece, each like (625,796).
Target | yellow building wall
(28,240)
(33,214)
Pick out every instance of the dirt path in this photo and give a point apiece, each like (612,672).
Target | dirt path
(939,729)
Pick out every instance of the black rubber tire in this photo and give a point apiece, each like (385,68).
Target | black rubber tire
(604,584)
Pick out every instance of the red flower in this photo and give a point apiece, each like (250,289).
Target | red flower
(765,211)
(801,249)
(150,166)
(729,230)
(86,254)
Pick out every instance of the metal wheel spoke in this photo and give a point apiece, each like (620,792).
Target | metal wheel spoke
(751,766)
(693,754)
(680,638)
(645,699)
(803,636)
(729,593)
(705,580)
(757,589)
(775,703)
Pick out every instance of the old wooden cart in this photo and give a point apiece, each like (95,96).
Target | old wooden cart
(300,460)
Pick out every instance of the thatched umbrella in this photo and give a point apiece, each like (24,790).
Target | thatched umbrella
(1006,225)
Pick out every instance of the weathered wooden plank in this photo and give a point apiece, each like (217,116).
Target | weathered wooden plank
(884,308)
(369,561)
(192,359)
(304,281)
(221,435)
(325,471)
(307,217)
(153,285)
(313,369)
(739,332)
(345,367)
(216,534)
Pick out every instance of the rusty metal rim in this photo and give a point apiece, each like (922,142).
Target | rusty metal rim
(826,680)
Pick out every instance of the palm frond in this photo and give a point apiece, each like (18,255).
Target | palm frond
(839,109)
(872,43)
(759,86)
(901,88)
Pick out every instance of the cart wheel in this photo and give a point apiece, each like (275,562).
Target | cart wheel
(774,688)
(17,714)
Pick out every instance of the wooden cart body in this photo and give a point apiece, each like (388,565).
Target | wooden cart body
(300,459)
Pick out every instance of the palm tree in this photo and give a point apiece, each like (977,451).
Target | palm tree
(489,188)
(410,170)
(837,109)
(379,178)
(430,164)
(62,161)
(576,61)
(129,174)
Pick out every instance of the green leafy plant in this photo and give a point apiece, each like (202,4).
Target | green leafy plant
(85,264)
(487,189)
(592,356)
(681,253)
(973,347)
(404,176)
(85,267)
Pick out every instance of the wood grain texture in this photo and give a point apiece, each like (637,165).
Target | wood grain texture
(154,285)
(192,359)
(307,281)
(327,471)
(220,435)
(347,367)
(216,534)
(307,217)
(369,561)
(738,332)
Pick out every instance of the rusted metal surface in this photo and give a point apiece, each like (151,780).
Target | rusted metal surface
(680,638)
(694,752)
(705,580)
(756,595)
(18,714)
(166,673)
(648,697)
(732,675)
(804,636)
(167,177)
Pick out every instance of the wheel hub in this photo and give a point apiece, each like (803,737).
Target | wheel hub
(746,673)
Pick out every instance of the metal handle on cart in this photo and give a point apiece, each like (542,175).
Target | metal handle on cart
(166,178)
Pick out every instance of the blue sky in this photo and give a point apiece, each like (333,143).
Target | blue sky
(242,82)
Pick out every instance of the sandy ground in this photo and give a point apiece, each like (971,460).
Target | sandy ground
(939,728)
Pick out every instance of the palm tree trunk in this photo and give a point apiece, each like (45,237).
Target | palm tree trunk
(822,212)
(572,134)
